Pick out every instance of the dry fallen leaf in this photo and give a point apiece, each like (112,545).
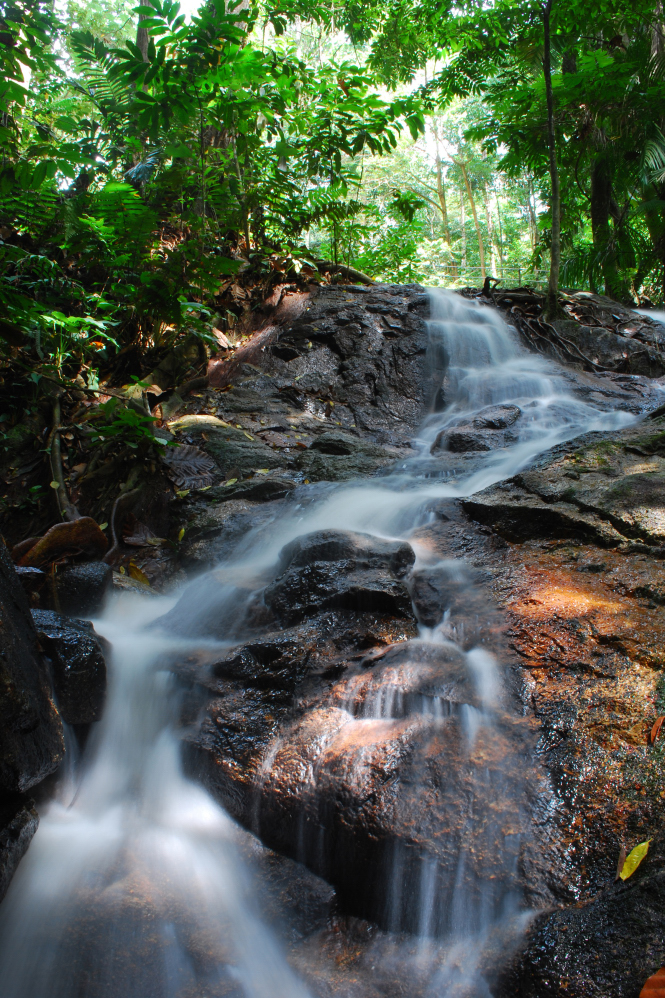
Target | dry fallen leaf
(656,730)
(655,986)
(633,859)
(188,467)
(82,536)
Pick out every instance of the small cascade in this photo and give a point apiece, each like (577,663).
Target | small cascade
(134,886)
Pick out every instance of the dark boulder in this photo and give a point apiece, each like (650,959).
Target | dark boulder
(255,490)
(460,441)
(82,588)
(31,742)
(78,665)
(335,569)
(608,946)
(335,456)
(356,551)
(18,824)
(497,417)
(77,589)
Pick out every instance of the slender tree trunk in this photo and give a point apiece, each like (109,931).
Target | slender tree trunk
(481,245)
(441,191)
(494,256)
(142,36)
(552,307)
(498,215)
(463,224)
(533,222)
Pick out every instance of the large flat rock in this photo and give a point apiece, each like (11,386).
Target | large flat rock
(604,488)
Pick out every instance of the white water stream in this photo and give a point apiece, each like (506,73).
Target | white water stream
(133,886)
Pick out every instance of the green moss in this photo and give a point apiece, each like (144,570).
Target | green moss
(654,444)
(660,695)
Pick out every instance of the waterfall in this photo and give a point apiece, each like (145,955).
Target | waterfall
(134,886)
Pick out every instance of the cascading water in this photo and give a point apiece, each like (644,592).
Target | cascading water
(133,886)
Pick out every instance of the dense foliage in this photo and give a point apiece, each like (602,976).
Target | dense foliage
(155,167)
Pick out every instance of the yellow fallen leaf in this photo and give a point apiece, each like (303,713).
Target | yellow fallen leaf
(633,859)
(182,493)
(262,471)
(205,488)
(248,435)
(103,526)
(54,485)
(231,481)
(136,573)
(181,533)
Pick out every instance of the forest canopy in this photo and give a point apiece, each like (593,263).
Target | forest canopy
(163,168)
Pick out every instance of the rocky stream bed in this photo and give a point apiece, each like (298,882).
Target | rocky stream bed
(556,572)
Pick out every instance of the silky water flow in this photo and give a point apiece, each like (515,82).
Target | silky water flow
(134,885)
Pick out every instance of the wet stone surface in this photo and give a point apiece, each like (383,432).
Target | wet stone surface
(328,742)
(325,721)
(78,665)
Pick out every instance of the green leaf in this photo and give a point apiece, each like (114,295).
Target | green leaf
(66,123)
(39,174)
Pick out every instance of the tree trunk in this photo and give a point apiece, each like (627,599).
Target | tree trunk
(494,256)
(533,221)
(552,307)
(481,245)
(601,196)
(142,36)
(498,215)
(441,191)
(463,224)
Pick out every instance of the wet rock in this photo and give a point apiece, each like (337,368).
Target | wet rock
(366,790)
(334,569)
(619,353)
(497,417)
(363,352)
(353,550)
(237,703)
(254,489)
(609,946)
(211,534)
(455,591)
(459,441)
(18,824)
(237,449)
(488,430)
(78,665)
(602,488)
(31,743)
(82,588)
(591,650)
(79,588)
(336,457)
